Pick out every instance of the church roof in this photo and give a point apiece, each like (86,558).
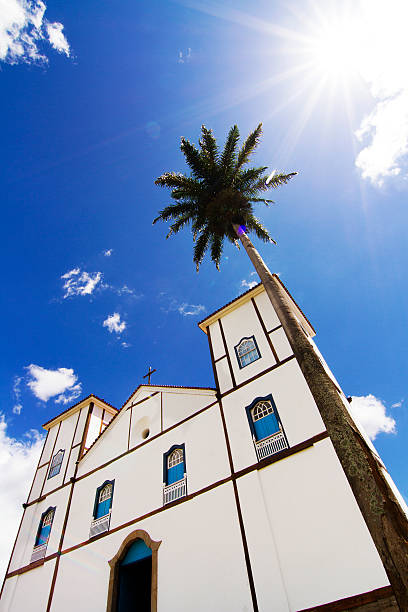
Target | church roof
(166,387)
(254,291)
(74,408)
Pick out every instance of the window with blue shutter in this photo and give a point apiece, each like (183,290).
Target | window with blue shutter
(44,529)
(103,499)
(264,419)
(175,466)
(247,351)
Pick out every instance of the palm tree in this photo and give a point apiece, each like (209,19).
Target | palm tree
(217,201)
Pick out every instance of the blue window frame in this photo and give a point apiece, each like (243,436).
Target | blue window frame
(103,499)
(263,418)
(174,464)
(247,351)
(56,463)
(44,528)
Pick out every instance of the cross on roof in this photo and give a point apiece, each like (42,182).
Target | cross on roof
(148,375)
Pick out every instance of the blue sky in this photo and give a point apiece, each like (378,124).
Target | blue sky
(93,106)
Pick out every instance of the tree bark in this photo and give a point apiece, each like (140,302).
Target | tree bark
(381,510)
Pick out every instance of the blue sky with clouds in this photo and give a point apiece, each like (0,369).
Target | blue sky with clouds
(95,98)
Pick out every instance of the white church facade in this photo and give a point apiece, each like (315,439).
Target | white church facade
(194,499)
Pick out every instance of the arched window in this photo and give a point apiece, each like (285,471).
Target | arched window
(174,474)
(264,419)
(44,529)
(133,578)
(247,351)
(56,463)
(175,466)
(268,434)
(103,501)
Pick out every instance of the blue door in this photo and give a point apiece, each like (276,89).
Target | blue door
(266,426)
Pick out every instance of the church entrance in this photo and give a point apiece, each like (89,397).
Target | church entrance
(135,579)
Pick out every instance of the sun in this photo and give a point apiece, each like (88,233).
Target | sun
(334,51)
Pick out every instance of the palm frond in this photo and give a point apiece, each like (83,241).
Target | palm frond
(201,247)
(247,178)
(193,159)
(208,145)
(174,179)
(228,156)
(248,147)
(179,224)
(173,211)
(216,250)
(277,180)
(256,226)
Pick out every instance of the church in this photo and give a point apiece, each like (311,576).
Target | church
(229,498)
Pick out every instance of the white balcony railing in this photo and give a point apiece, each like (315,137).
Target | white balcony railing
(99,525)
(39,552)
(270,446)
(174,491)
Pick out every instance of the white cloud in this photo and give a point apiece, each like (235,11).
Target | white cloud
(397,404)
(190,309)
(61,384)
(114,324)
(370,412)
(23,31)
(383,49)
(108,252)
(125,290)
(17,408)
(57,38)
(184,57)
(126,344)
(249,284)
(79,282)
(18,460)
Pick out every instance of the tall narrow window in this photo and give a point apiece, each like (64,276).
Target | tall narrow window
(56,463)
(102,508)
(104,501)
(247,351)
(43,534)
(174,474)
(267,431)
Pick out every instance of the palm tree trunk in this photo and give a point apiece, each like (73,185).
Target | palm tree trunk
(385,519)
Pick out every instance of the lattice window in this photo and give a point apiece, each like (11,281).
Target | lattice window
(106,493)
(175,458)
(261,410)
(56,463)
(247,351)
(45,528)
(48,518)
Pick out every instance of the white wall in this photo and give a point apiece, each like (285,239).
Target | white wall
(63,441)
(139,475)
(324,548)
(31,590)
(179,404)
(294,402)
(26,540)
(244,322)
(201,546)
